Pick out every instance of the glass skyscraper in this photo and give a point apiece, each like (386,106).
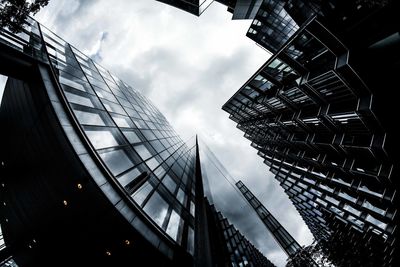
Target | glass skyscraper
(91,172)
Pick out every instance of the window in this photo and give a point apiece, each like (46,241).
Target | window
(192,208)
(190,243)
(128,177)
(143,152)
(101,138)
(89,118)
(181,196)
(131,136)
(169,183)
(141,194)
(156,208)
(173,225)
(80,100)
(117,161)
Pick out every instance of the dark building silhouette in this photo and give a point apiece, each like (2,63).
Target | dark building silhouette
(228,245)
(318,113)
(92,174)
(288,244)
(240,9)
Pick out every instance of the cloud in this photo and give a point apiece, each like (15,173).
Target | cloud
(95,52)
(188,67)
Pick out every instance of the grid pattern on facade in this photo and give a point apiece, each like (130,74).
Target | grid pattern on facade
(285,240)
(135,142)
(132,138)
(195,7)
(240,252)
(310,116)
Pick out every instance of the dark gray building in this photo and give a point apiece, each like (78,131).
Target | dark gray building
(240,9)
(318,113)
(228,245)
(91,172)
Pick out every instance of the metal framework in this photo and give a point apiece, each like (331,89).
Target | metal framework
(313,119)
(281,235)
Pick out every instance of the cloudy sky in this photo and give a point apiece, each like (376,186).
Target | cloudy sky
(189,67)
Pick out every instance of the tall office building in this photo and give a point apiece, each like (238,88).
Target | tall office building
(91,172)
(240,9)
(229,246)
(318,113)
(288,244)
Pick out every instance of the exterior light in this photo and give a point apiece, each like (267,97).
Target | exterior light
(108,253)
(79,186)
(127,242)
(65,202)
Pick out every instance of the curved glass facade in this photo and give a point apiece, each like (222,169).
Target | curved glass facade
(131,137)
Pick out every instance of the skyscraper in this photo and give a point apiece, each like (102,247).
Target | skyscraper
(229,246)
(240,9)
(315,112)
(91,172)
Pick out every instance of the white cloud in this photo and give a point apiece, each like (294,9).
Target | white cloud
(189,67)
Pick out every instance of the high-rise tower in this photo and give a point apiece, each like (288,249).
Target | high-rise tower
(317,112)
(91,172)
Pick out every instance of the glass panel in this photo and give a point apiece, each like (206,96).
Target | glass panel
(143,152)
(169,183)
(173,225)
(117,161)
(89,118)
(140,195)
(101,139)
(128,177)
(190,243)
(181,196)
(131,136)
(121,121)
(80,100)
(156,208)
(192,208)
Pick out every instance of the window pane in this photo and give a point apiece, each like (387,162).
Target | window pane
(101,138)
(190,243)
(143,152)
(128,177)
(169,183)
(132,137)
(156,208)
(140,195)
(117,161)
(181,196)
(173,225)
(77,99)
(121,121)
(89,118)
(192,208)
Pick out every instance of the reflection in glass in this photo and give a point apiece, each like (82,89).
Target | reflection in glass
(156,208)
(132,137)
(140,195)
(169,183)
(181,196)
(80,100)
(190,243)
(101,138)
(128,177)
(117,161)
(143,152)
(173,225)
(89,118)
